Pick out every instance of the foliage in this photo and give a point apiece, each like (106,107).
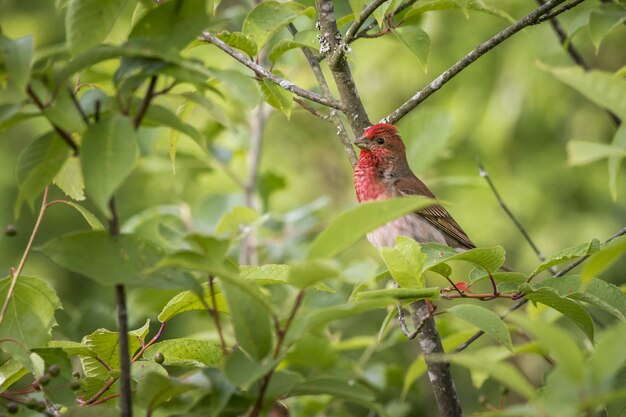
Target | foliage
(160,166)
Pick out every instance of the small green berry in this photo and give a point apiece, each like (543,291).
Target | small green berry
(159,358)
(76,374)
(31,403)
(44,379)
(10,230)
(54,370)
(75,385)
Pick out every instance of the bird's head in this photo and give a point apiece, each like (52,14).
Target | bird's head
(382,141)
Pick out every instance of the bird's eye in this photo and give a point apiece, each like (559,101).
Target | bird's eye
(380,141)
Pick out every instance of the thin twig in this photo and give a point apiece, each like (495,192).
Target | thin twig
(264,73)
(282,332)
(483,173)
(65,135)
(557,12)
(522,302)
(363,33)
(146,102)
(147,345)
(312,110)
(78,107)
(16,273)
(216,315)
(314,63)
(468,59)
(363,16)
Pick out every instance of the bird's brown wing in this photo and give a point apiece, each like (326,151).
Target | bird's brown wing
(436,215)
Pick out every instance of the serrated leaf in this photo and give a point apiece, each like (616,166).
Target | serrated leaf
(569,308)
(351,225)
(603,295)
(567,254)
(267,18)
(602,88)
(190,301)
(30,317)
(486,320)
(603,19)
(487,259)
(405,262)
(109,154)
(609,356)
(186,352)
(171,25)
(93,17)
(37,165)
(240,41)
(417,41)
(70,179)
(104,259)
(265,274)
(401,294)
(305,274)
(277,97)
(604,258)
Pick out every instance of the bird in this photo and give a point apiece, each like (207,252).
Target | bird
(383,172)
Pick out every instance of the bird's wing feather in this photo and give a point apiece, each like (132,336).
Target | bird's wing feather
(436,215)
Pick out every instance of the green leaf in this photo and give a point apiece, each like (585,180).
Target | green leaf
(172,25)
(603,19)
(186,352)
(37,165)
(615,161)
(109,154)
(104,259)
(338,388)
(72,348)
(504,372)
(604,258)
(609,356)
(487,259)
(405,262)
(212,108)
(486,320)
(603,295)
(565,306)
(304,39)
(30,317)
(251,321)
(322,316)
(162,116)
(267,18)
(567,254)
(474,5)
(190,301)
(305,274)
(417,41)
(581,152)
(243,371)
(413,294)
(95,411)
(240,41)
(16,57)
(105,344)
(557,342)
(602,88)
(276,96)
(70,179)
(89,217)
(88,22)
(155,389)
(265,274)
(10,372)
(351,225)
(233,222)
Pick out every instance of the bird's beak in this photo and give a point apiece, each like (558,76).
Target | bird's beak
(362,142)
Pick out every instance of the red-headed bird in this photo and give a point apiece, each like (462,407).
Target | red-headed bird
(383,172)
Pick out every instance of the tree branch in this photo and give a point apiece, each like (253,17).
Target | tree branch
(471,57)
(264,73)
(363,16)
(363,33)
(330,39)
(146,102)
(314,63)
(65,135)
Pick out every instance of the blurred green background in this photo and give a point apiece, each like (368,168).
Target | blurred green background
(504,111)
